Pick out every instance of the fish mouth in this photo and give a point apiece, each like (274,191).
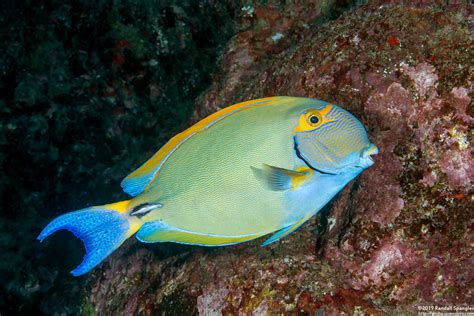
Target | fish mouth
(369,151)
(366,156)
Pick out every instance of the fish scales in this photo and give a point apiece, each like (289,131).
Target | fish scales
(220,194)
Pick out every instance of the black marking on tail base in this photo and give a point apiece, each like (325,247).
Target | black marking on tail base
(143,209)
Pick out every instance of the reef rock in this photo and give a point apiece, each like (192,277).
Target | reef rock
(398,237)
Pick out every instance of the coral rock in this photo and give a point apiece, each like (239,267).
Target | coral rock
(398,236)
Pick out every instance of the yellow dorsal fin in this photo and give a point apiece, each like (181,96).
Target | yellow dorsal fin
(139,180)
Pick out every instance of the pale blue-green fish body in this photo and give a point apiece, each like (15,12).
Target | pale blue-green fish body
(258,167)
(209,186)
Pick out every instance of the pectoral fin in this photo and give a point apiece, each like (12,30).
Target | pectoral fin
(280,179)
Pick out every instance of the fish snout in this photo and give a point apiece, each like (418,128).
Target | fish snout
(365,157)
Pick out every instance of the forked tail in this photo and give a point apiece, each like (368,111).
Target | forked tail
(102,229)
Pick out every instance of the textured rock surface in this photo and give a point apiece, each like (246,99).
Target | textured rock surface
(398,236)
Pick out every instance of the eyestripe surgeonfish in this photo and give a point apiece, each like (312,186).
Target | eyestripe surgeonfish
(254,168)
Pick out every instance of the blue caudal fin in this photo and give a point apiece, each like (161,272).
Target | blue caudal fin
(101,229)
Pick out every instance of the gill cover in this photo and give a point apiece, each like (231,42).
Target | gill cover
(330,139)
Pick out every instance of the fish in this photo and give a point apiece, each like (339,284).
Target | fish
(259,167)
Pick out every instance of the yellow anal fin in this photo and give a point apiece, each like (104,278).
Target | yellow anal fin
(158,231)
(281,179)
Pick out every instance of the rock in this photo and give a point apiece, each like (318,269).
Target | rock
(400,235)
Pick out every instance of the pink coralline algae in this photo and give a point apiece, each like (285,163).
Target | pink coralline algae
(424,76)
(458,167)
(212,302)
(390,259)
(462,100)
(430,119)
(401,234)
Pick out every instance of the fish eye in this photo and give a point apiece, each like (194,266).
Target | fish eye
(313,119)
(309,121)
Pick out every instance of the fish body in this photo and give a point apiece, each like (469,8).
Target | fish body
(254,168)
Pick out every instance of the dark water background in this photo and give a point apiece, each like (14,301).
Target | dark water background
(88,91)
